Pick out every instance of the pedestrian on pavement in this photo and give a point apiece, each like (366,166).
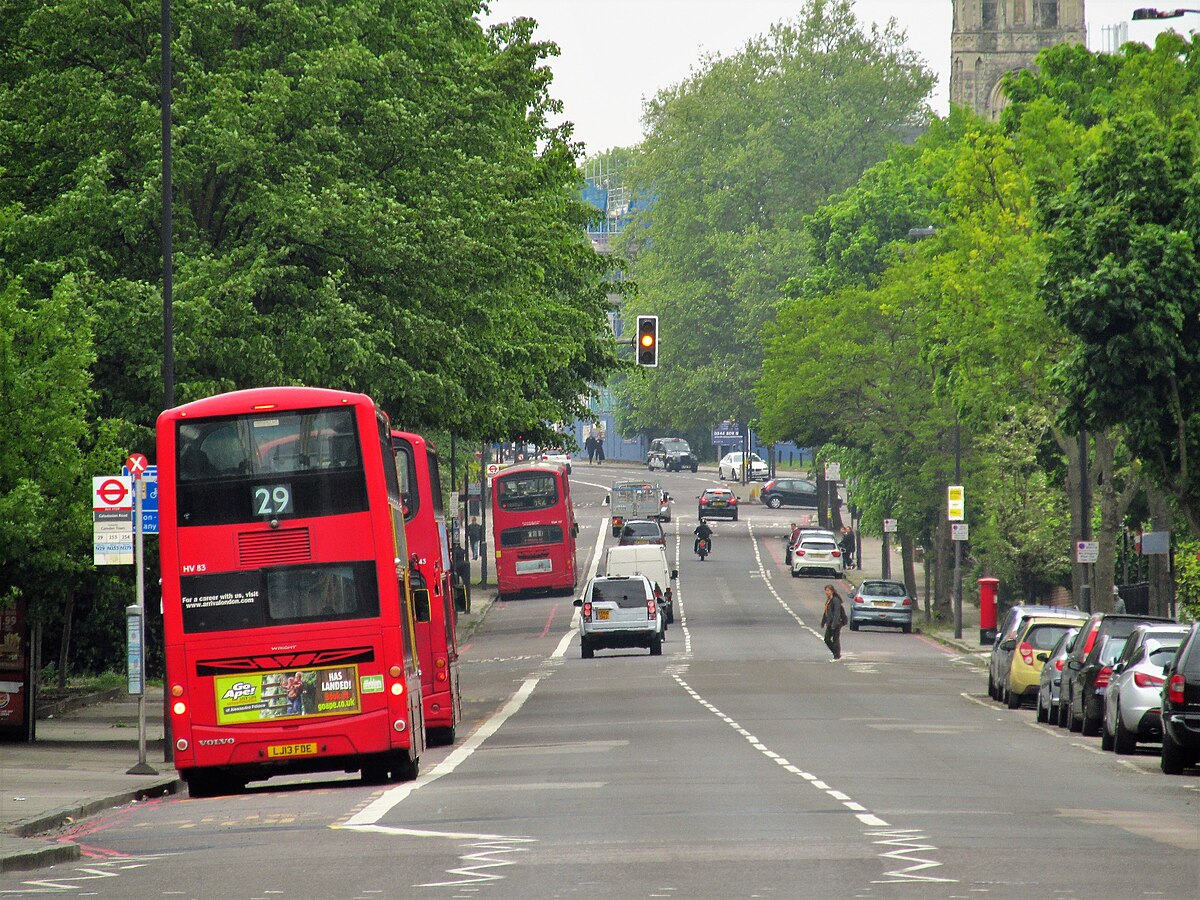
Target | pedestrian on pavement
(474,536)
(590,446)
(599,451)
(1118,600)
(833,619)
(847,543)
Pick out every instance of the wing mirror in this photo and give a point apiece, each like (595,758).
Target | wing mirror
(1043,656)
(579,602)
(674,574)
(1010,644)
(1074,665)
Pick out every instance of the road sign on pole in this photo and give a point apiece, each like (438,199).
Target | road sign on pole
(1087,551)
(149,489)
(889,526)
(956,502)
(112,521)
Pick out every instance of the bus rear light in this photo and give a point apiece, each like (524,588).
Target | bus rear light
(179,708)
(394,671)
(397,689)
(177,690)
(400,725)
(1175,689)
(587,611)
(181,745)
(440,662)
(1026,651)
(441,676)
(259,407)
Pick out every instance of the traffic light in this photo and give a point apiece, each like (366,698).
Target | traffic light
(647,341)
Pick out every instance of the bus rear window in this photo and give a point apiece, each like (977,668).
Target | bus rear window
(531,536)
(269,466)
(231,601)
(533,490)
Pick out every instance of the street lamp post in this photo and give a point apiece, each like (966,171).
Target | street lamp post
(1149,12)
(957,544)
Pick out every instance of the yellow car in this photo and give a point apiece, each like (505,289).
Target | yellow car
(1031,648)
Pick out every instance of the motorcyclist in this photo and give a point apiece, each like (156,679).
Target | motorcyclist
(702,532)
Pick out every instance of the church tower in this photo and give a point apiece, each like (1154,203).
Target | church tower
(993,37)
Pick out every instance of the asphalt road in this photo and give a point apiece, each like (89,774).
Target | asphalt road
(740,763)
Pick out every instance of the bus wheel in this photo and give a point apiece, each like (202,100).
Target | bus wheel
(375,771)
(404,767)
(441,737)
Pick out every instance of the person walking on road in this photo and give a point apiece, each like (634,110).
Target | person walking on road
(474,535)
(791,542)
(833,618)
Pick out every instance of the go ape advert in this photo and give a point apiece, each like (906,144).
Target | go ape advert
(292,694)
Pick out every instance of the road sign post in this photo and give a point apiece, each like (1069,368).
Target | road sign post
(136,614)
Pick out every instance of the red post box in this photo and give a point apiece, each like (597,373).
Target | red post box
(987,610)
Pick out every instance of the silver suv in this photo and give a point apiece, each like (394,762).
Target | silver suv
(619,611)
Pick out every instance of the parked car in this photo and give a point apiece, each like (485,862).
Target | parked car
(649,560)
(671,454)
(1000,660)
(1082,705)
(619,611)
(1031,649)
(1133,701)
(881,602)
(1181,706)
(718,503)
(1050,679)
(789,492)
(817,556)
(641,531)
(730,467)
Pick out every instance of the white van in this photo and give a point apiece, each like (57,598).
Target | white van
(649,560)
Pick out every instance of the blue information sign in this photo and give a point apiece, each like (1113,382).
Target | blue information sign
(726,433)
(150,500)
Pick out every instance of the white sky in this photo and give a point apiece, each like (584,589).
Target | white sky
(617,53)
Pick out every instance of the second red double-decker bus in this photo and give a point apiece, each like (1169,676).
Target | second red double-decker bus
(429,546)
(287,607)
(534,529)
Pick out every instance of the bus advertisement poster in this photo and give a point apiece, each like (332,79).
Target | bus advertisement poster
(291,694)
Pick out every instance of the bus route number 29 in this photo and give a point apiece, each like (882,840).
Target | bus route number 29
(272,499)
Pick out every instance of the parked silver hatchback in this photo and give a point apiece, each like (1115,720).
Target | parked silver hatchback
(1133,703)
(1050,681)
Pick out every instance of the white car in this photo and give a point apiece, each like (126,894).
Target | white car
(817,555)
(730,467)
(557,455)
(619,611)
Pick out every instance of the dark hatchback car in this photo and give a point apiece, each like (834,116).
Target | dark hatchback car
(1181,707)
(1082,702)
(641,531)
(717,503)
(789,492)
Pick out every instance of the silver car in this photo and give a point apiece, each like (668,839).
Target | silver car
(1133,703)
(880,602)
(1050,683)
(619,611)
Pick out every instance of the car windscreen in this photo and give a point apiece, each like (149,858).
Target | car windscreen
(626,594)
(1045,637)
(882,589)
(676,446)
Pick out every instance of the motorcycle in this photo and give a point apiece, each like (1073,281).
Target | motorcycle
(702,548)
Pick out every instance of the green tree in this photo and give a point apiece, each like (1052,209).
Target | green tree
(735,156)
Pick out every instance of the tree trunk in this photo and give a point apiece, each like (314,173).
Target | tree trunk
(1069,445)
(1159,563)
(942,571)
(64,646)
(907,563)
(1113,507)
(928,588)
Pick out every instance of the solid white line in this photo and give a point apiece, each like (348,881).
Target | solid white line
(382,805)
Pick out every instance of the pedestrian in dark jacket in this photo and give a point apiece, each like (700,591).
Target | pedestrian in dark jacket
(590,446)
(833,618)
(474,536)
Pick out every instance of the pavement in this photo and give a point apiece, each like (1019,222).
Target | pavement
(80,763)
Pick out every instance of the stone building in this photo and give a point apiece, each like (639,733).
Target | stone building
(993,37)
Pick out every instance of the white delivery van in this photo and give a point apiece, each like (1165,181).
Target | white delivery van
(649,560)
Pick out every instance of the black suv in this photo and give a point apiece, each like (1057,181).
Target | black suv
(1181,706)
(671,454)
(1082,699)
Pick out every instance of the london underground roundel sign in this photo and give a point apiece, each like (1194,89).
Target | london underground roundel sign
(111,492)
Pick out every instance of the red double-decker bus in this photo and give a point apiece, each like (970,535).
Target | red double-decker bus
(287,606)
(429,546)
(533,529)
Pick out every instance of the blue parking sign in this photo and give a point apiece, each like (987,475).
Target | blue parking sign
(150,500)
